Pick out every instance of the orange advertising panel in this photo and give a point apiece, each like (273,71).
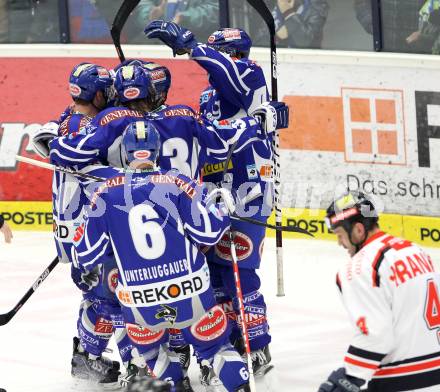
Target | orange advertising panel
(367,125)
(35,91)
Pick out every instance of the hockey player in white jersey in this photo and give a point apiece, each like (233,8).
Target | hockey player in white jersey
(392,295)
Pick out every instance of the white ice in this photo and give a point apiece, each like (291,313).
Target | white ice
(309,327)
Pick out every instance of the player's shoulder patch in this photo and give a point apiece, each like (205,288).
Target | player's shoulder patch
(116,113)
(185,184)
(179,111)
(206,95)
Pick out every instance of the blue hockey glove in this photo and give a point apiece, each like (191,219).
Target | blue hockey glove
(86,280)
(171,34)
(272,115)
(339,381)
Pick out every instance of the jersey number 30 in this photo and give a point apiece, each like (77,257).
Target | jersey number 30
(432,305)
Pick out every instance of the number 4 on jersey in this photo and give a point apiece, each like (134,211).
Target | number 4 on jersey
(432,307)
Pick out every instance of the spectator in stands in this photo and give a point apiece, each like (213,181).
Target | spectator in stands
(4,23)
(200,16)
(5,229)
(400,18)
(434,25)
(300,23)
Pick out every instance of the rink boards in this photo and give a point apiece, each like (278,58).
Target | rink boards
(365,121)
(37,216)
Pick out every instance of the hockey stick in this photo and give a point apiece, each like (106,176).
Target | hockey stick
(49,166)
(6,317)
(237,281)
(242,323)
(118,24)
(265,13)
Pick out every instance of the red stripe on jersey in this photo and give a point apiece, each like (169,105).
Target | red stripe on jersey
(374,237)
(408,368)
(360,363)
(377,258)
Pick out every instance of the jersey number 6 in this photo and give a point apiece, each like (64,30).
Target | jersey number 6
(148,236)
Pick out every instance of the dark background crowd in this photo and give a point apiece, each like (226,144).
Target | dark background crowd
(407,25)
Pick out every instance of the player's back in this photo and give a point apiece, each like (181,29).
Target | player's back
(399,289)
(176,125)
(414,289)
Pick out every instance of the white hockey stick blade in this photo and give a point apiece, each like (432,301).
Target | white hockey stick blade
(35,162)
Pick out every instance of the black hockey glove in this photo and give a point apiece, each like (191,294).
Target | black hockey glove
(339,381)
(86,280)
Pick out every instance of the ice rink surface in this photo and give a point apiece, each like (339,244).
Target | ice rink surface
(309,328)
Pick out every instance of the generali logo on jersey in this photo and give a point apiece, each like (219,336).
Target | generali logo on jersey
(367,125)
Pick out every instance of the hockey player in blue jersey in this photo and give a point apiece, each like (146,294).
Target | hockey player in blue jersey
(237,87)
(237,84)
(155,221)
(90,87)
(188,141)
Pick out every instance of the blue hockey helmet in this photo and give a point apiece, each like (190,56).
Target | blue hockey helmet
(231,41)
(140,143)
(87,79)
(129,62)
(132,82)
(159,74)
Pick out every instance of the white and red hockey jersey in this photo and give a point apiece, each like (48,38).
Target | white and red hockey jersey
(392,295)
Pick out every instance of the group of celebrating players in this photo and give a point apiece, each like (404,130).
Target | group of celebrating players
(148,215)
(144,219)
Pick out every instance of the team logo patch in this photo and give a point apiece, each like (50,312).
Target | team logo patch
(74,89)
(211,39)
(266,172)
(252,172)
(243,246)
(158,76)
(103,327)
(132,93)
(210,326)
(142,154)
(103,73)
(112,280)
(142,335)
(168,313)
(79,233)
(231,34)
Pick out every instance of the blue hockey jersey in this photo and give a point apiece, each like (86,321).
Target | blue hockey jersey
(187,140)
(155,223)
(237,86)
(71,193)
